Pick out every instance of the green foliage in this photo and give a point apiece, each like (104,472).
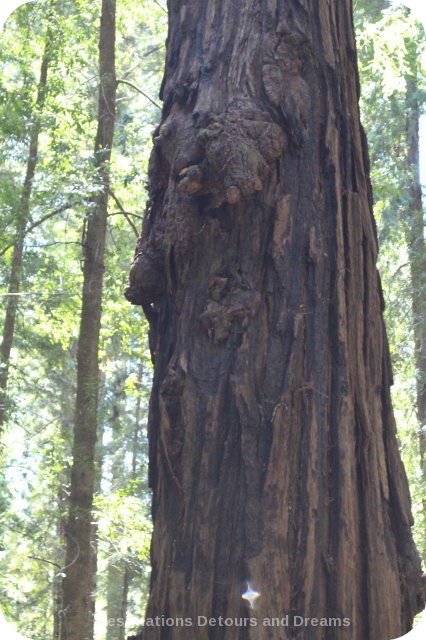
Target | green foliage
(124,528)
(391,46)
(36,455)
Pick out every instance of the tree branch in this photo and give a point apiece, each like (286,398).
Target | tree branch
(52,214)
(125,213)
(161,6)
(130,84)
(37,223)
(55,564)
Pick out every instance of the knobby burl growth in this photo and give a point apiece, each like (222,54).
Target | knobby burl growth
(225,160)
(237,150)
(216,159)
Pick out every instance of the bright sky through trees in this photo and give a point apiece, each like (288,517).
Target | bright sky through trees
(6,8)
(418,7)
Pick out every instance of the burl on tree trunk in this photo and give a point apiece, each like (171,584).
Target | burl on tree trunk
(273,453)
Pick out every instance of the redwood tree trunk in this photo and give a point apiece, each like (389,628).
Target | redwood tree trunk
(78,599)
(273,452)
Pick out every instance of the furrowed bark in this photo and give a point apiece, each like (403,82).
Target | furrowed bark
(78,597)
(273,451)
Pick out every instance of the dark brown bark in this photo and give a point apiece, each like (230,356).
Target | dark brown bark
(24,216)
(78,599)
(273,452)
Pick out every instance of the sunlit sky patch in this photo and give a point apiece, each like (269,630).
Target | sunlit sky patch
(418,7)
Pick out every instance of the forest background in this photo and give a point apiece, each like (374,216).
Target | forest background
(37,412)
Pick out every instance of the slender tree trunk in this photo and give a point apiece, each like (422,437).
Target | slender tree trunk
(273,453)
(24,215)
(99,461)
(78,583)
(63,480)
(116,573)
(117,594)
(118,580)
(125,599)
(60,551)
(120,570)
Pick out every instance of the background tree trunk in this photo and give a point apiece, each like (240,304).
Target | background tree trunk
(15,277)
(117,582)
(78,605)
(121,566)
(117,594)
(273,452)
(63,481)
